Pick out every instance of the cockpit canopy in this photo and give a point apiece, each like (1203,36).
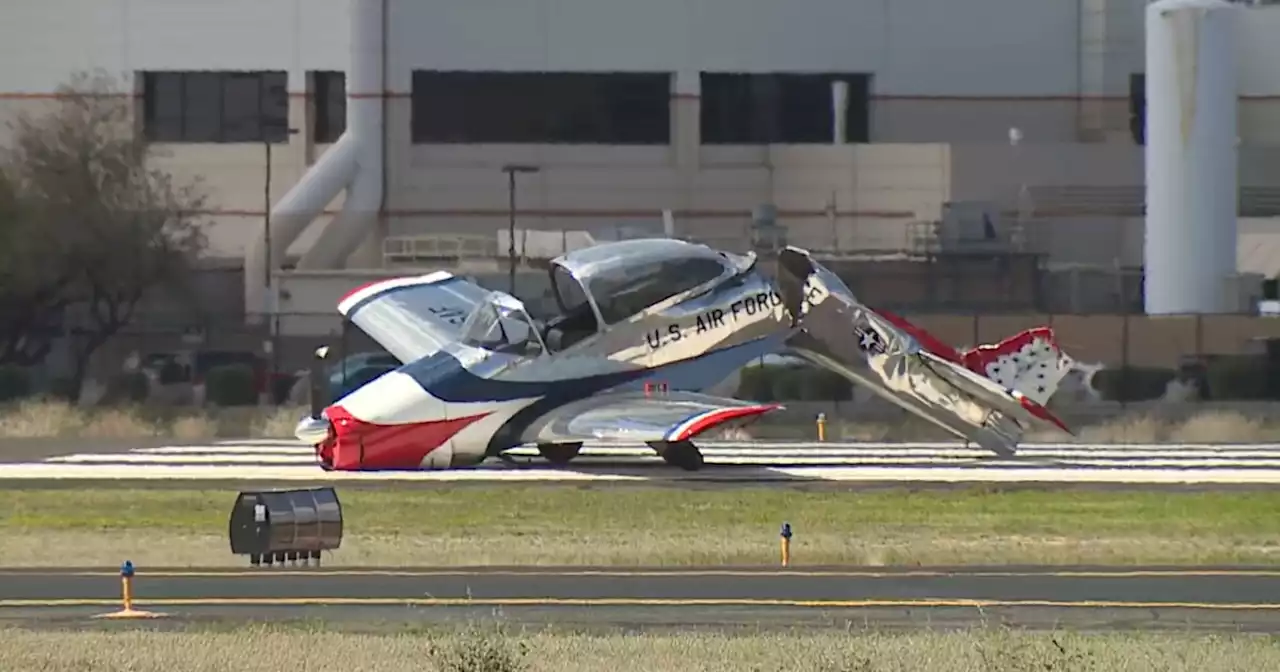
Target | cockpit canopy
(612,282)
(501,324)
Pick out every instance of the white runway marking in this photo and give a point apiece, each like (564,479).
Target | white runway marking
(733,461)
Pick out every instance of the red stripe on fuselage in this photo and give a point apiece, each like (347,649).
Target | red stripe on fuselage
(359,444)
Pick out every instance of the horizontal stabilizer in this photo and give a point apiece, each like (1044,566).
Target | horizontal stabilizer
(413,317)
(1011,403)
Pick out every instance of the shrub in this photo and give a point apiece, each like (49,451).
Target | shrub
(480,651)
(1132,383)
(754,383)
(129,387)
(1239,378)
(231,385)
(15,383)
(793,383)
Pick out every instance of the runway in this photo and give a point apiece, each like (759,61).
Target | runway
(1195,597)
(283,461)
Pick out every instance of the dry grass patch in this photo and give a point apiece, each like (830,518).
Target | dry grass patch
(46,419)
(54,419)
(738,547)
(491,648)
(564,525)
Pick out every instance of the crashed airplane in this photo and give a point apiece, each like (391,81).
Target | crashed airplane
(480,376)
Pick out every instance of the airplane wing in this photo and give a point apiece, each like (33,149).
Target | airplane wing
(674,416)
(413,317)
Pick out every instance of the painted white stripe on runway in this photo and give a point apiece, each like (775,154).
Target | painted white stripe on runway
(228,450)
(726,461)
(870,450)
(749,460)
(728,473)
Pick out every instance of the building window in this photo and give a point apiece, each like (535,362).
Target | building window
(752,109)
(541,108)
(215,106)
(330,105)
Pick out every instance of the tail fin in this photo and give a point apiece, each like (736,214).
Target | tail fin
(1030,362)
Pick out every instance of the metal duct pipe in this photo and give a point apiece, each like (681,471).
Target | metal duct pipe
(366,98)
(354,162)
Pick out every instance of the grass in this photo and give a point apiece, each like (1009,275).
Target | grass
(632,525)
(1203,427)
(483,649)
(44,420)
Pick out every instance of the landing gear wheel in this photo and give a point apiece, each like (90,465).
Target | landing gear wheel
(559,453)
(681,454)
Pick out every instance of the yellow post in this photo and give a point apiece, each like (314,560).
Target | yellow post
(126,592)
(786,544)
(822,426)
(126,597)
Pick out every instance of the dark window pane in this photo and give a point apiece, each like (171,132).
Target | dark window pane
(779,108)
(506,107)
(242,107)
(162,92)
(330,105)
(202,107)
(739,108)
(275,106)
(215,106)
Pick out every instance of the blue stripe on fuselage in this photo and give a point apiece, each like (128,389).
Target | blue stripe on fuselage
(444,377)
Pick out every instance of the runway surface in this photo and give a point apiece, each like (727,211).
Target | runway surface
(1191,597)
(282,461)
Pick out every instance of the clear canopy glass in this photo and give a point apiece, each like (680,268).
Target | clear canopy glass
(501,324)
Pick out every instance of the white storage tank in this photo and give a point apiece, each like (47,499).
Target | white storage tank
(1191,166)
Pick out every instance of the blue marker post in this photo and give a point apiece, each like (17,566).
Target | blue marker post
(126,596)
(786,544)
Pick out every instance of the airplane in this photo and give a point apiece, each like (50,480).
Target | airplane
(480,376)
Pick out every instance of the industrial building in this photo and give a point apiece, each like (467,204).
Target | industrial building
(983,155)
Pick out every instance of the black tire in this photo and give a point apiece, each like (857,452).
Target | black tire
(559,453)
(681,454)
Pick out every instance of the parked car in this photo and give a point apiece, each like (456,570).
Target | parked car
(359,369)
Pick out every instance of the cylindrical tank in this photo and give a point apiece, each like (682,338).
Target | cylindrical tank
(1191,170)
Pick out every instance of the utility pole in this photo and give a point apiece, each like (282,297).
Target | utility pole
(269,295)
(267,125)
(511,170)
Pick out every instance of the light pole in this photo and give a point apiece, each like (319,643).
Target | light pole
(266,199)
(511,170)
(269,294)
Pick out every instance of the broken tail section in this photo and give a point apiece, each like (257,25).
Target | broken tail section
(1030,362)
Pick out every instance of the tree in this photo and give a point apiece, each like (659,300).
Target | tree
(94,224)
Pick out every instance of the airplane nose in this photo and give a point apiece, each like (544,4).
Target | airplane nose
(311,430)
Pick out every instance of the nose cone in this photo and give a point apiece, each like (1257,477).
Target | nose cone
(312,431)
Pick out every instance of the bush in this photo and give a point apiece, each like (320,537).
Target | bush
(15,383)
(129,387)
(480,650)
(1240,378)
(754,383)
(231,385)
(1132,383)
(793,383)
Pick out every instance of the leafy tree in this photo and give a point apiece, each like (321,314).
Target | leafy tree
(89,224)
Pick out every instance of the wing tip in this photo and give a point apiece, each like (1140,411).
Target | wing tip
(714,418)
(371,289)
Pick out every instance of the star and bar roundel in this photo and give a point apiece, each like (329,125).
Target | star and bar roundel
(869,340)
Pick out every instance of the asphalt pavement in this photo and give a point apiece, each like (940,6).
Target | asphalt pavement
(1214,598)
